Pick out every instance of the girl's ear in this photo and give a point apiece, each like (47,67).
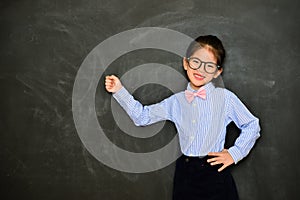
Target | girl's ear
(185,63)
(218,73)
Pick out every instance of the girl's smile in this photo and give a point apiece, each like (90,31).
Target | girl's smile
(199,76)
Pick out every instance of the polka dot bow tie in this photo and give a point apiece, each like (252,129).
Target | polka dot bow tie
(189,95)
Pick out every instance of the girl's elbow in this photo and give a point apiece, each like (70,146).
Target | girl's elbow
(140,123)
(258,128)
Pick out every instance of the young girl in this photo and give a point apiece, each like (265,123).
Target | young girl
(200,114)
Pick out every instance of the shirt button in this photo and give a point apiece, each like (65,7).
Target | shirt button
(193,121)
(192,138)
(194,104)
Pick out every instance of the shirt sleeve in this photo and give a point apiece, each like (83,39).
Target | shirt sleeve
(249,126)
(144,115)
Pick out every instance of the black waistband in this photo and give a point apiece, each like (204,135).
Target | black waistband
(197,157)
(197,160)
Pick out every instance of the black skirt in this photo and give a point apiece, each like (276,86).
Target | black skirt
(196,179)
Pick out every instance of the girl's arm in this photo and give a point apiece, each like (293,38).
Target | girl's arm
(140,115)
(249,126)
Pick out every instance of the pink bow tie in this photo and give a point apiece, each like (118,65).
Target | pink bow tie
(191,95)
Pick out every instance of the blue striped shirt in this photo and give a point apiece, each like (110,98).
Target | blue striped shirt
(201,124)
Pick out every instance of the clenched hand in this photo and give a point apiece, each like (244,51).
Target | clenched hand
(112,84)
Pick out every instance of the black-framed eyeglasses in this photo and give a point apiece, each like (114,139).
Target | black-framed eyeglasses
(196,63)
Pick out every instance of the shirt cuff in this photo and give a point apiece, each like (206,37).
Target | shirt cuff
(122,93)
(235,154)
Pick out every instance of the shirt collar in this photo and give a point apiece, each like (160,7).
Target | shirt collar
(208,87)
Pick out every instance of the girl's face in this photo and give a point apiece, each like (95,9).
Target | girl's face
(199,77)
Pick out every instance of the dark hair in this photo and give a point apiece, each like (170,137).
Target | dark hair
(210,42)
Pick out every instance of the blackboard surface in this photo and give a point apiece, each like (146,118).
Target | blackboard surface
(43,45)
